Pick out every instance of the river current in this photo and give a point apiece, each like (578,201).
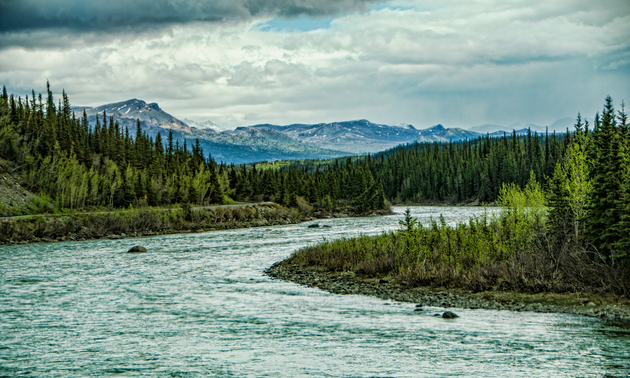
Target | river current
(200,305)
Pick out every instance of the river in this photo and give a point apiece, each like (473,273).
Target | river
(200,305)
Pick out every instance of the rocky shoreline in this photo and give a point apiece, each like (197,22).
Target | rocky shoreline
(349,283)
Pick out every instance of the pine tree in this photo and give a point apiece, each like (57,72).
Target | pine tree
(603,217)
(623,205)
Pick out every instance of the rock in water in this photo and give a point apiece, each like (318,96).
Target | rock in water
(137,249)
(313,225)
(449,315)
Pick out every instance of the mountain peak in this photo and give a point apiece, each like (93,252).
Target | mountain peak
(206,125)
(406,126)
(434,129)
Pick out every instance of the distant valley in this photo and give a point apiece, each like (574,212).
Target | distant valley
(296,141)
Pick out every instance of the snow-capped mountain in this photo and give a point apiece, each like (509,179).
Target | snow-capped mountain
(240,147)
(203,125)
(363,136)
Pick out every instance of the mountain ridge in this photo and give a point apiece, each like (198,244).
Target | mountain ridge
(237,148)
(260,142)
(363,136)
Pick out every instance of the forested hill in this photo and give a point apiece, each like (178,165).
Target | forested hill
(453,172)
(456,172)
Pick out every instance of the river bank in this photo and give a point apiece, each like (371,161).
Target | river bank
(156,221)
(350,283)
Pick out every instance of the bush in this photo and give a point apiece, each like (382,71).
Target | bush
(511,251)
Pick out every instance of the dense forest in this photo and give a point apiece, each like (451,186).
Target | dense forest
(418,173)
(74,166)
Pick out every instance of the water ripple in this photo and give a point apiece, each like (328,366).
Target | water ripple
(200,305)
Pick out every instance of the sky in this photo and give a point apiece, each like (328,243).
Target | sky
(242,62)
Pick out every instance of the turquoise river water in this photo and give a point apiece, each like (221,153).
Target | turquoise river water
(200,305)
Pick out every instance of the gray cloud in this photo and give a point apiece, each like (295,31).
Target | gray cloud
(137,15)
(460,63)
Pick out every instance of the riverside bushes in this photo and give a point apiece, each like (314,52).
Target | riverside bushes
(511,251)
(143,221)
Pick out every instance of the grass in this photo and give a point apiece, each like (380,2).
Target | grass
(143,222)
(510,252)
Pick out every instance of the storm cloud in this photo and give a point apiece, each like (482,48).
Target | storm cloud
(459,62)
(125,15)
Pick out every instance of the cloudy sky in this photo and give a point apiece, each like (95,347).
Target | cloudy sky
(241,62)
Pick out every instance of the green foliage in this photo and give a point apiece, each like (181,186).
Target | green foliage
(571,188)
(147,221)
(607,210)
(409,223)
(41,204)
(9,142)
(521,212)
(326,202)
(79,166)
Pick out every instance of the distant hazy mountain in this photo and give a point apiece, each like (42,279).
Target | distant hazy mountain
(562,124)
(487,128)
(245,146)
(362,136)
(558,126)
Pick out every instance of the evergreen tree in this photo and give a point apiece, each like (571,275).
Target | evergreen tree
(603,216)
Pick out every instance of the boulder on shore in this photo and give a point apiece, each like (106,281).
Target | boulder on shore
(137,249)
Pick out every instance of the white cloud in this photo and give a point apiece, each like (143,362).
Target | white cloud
(458,63)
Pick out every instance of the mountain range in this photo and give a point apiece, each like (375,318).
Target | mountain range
(296,141)
(363,136)
(245,146)
(559,126)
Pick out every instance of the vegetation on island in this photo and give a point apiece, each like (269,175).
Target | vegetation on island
(570,235)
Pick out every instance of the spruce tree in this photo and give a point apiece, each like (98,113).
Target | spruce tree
(603,216)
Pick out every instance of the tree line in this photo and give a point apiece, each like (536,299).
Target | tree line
(77,166)
(589,192)
(415,173)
